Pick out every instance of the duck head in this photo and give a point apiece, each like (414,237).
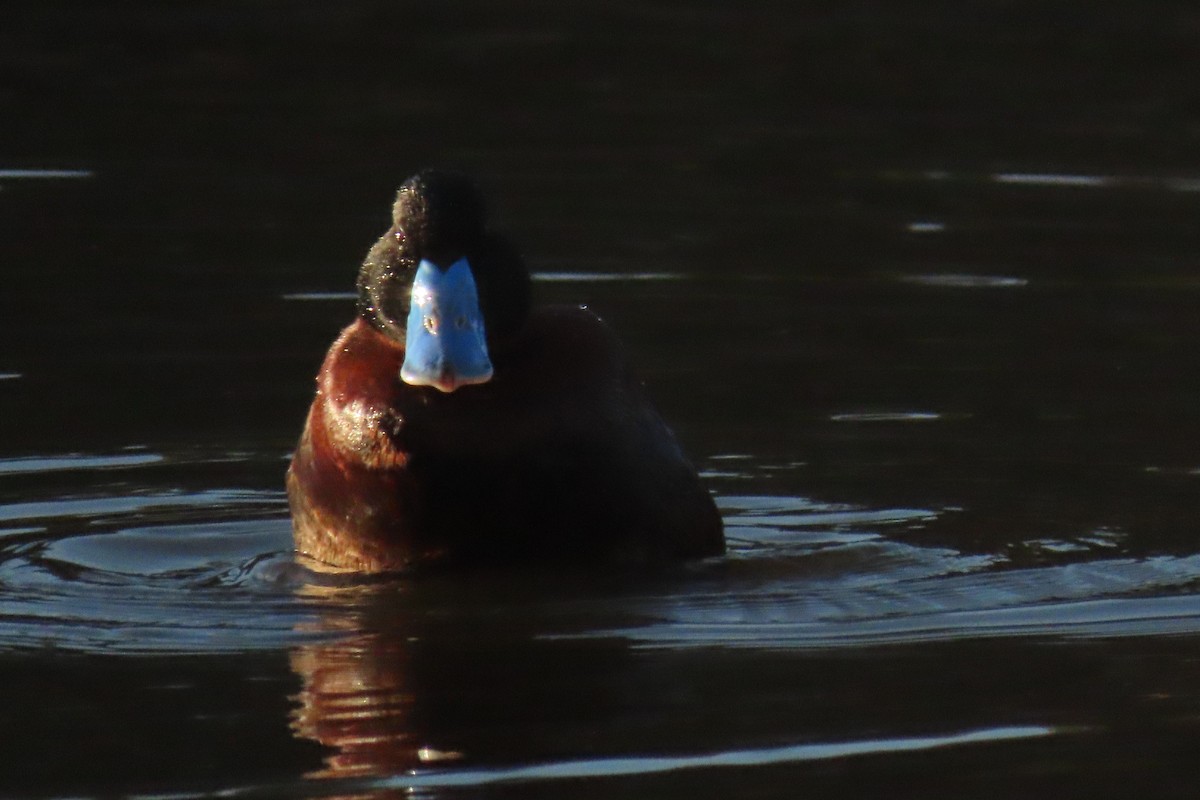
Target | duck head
(443,285)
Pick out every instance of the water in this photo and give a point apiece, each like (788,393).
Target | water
(915,286)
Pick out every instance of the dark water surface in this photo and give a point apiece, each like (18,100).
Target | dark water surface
(916,283)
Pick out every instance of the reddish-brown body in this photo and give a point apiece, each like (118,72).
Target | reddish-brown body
(560,456)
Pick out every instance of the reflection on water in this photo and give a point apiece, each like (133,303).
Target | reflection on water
(359,701)
(465,682)
(423,677)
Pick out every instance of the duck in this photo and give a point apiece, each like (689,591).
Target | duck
(455,423)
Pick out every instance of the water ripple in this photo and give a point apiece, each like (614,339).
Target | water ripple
(650,765)
(172,564)
(960,280)
(145,567)
(604,277)
(55,463)
(45,174)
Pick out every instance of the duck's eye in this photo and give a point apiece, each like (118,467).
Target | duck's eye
(461,322)
(431,324)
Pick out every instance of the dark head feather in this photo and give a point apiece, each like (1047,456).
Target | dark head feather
(440,216)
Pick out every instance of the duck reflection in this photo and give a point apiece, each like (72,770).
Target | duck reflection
(416,682)
(357,699)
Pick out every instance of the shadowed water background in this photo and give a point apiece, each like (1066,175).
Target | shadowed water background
(916,284)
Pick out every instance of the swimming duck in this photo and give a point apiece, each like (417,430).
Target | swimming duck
(455,424)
